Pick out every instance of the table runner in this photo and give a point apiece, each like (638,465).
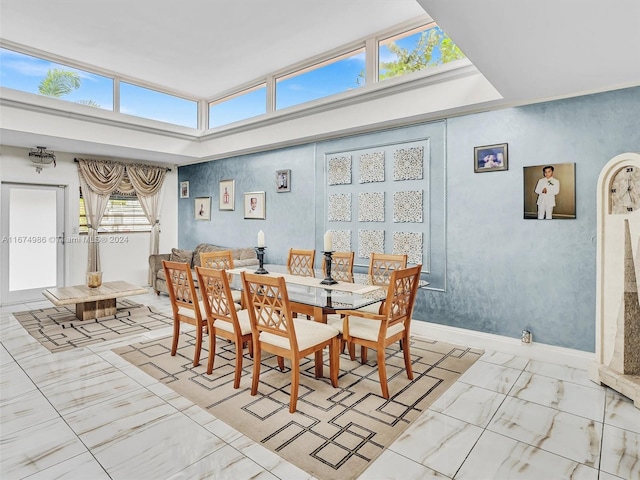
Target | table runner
(315,282)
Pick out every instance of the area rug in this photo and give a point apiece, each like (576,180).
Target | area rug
(335,432)
(58,329)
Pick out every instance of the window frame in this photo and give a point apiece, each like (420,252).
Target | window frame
(108,229)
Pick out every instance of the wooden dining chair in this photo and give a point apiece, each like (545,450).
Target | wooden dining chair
(341,266)
(277,332)
(381,265)
(378,331)
(300,262)
(184,303)
(221,260)
(224,317)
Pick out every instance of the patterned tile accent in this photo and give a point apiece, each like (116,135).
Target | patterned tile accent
(341,240)
(339,207)
(407,206)
(371,207)
(407,163)
(370,241)
(340,170)
(409,243)
(371,167)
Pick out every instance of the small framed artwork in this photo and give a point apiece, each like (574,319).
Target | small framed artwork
(227,194)
(202,207)
(283,181)
(184,189)
(550,191)
(254,206)
(491,158)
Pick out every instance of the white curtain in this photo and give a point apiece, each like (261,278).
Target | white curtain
(99,179)
(147,181)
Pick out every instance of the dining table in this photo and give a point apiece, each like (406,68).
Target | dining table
(309,296)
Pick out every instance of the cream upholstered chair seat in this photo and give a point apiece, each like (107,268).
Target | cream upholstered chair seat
(189,312)
(307,334)
(365,328)
(243,321)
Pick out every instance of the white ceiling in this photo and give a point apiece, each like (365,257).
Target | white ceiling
(196,47)
(529,51)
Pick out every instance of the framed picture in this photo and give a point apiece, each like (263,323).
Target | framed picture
(184,189)
(202,207)
(283,181)
(254,205)
(550,191)
(227,194)
(491,158)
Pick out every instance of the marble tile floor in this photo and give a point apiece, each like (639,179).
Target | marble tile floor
(88,414)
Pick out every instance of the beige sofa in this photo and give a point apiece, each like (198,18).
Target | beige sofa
(242,257)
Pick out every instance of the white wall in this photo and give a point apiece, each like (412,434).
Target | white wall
(120,261)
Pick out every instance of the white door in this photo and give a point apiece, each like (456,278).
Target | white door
(32,236)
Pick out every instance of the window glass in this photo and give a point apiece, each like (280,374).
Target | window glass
(246,104)
(123,214)
(415,50)
(321,80)
(42,77)
(147,103)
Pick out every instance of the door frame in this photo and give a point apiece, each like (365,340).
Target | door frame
(8,297)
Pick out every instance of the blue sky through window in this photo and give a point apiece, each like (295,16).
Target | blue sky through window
(328,79)
(24,72)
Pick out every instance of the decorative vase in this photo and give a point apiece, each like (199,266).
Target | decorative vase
(94,279)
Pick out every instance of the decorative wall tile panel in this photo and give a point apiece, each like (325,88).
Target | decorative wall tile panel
(340,170)
(407,206)
(409,243)
(407,163)
(339,207)
(341,240)
(371,167)
(371,207)
(370,241)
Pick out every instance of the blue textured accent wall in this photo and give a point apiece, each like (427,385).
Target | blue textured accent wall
(503,273)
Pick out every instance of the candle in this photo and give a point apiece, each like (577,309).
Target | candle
(260,238)
(328,241)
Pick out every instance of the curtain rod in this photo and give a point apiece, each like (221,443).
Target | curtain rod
(166,168)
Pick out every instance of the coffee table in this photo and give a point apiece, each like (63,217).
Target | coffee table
(93,302)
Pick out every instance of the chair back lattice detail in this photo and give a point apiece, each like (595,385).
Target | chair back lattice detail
(221,260)
(382,265)
(180,282)
(300,262)
(269,308)
(401,295)
(216,293)
(341,263)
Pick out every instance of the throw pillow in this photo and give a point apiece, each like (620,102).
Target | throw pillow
(182,256)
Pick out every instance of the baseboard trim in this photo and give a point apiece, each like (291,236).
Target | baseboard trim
(513,346)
